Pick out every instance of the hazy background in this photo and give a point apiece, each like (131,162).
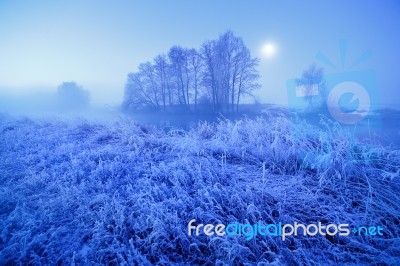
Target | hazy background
(96,43)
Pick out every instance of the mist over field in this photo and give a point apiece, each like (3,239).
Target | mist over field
(199,133)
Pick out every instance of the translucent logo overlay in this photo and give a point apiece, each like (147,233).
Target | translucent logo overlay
(347,95)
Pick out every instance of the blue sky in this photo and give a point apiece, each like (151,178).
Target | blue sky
(96,43)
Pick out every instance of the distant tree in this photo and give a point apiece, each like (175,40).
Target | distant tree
(149,81)
(230,72)
(180,72)
(72,96)
(312,84)
(162,79)
(196,67)
(147,87)
(221,72)
(137,95)
(244,76)
(208,50)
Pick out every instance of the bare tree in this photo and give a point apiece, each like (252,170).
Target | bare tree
(137,95)
(312,86)
(245,76)
(161,71)
(209,75)
(178,59)
(146,88)
(230,70)
(221,73)
(196,65)
(147,71)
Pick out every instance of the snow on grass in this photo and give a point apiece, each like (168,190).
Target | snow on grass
(78,192)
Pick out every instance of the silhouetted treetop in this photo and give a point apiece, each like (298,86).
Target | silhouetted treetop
(215,77)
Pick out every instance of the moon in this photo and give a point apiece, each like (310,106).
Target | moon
(269,49)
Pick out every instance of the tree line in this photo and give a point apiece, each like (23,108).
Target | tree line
(217,77)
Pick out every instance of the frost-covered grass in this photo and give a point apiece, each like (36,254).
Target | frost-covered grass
(83,193)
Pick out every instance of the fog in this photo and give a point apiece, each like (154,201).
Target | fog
(128,129)
(100,47)
(97,44)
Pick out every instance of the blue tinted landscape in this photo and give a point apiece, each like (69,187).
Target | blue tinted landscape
(130,133)
(80,192)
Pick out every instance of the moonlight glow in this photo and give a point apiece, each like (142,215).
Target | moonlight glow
(269,50)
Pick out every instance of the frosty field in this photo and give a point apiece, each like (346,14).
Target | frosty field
(76,192)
